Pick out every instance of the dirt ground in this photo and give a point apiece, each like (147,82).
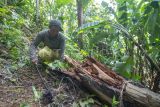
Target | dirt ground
(16,90)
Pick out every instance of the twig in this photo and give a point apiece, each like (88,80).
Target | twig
(39,103)
(70,81)
(121,93)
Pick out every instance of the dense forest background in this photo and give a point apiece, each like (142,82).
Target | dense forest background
(123,34)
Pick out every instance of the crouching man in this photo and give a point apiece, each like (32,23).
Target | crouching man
(54,44)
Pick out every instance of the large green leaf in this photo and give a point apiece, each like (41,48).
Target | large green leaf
(98,37)
(85,3)
(90,25)
(37,94)
(124,67)
(61,3)
(151,22)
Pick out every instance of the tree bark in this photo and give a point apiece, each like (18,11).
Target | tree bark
(105,83)
(37,12)
(80,21)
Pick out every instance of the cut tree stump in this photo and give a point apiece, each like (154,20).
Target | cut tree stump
(106,84)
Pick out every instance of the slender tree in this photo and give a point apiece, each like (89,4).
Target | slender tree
(80,21)
(37,11)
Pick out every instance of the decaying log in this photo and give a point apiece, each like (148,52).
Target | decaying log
(102,75)
(113,80)
(142,95)
(105,83)
(106,69)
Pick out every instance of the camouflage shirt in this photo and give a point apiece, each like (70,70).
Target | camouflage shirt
(57,42)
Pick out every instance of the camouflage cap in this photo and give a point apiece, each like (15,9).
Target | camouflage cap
(56,23)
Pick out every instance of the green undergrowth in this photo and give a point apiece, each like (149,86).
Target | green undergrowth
(58,64)
(73,51)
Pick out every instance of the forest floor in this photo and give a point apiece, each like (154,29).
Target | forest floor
(16,90)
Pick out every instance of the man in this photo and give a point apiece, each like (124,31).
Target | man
(54,43)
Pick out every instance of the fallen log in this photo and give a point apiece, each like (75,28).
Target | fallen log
(105,84)
(139,94)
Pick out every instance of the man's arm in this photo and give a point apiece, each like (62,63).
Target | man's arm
(33,47)
(62,48)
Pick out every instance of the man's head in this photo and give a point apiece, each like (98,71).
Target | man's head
(54,27)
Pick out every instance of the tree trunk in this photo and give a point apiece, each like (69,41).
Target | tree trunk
(80,21)
(105,83)
(5,2)
(37,12)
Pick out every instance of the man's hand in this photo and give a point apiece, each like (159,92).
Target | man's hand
(35,61)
